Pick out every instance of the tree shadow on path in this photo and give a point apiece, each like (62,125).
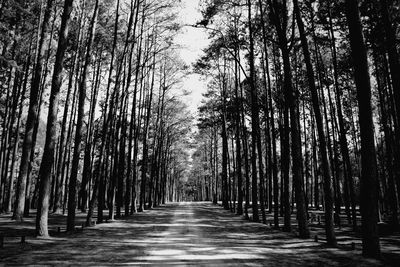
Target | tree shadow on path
(180,234)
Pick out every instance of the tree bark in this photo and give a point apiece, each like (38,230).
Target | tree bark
(32,117)
(368,190)
(51,131)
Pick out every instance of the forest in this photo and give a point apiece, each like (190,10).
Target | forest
(299,126)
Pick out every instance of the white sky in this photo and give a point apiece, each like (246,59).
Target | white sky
(193,41)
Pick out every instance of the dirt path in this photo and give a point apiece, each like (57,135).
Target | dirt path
(179,234)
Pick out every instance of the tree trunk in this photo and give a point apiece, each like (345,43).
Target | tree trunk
(292,105)
(255,121)
(79,123)
(329,229)
(368,180)
(342,132)
(51,131)
(32,117)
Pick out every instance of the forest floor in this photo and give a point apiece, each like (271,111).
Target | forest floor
(182,234)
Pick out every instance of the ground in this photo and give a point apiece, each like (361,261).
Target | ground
(181,234)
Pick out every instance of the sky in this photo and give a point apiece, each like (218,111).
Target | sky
(192,41)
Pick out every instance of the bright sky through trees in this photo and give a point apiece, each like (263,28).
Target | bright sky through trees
(192,41)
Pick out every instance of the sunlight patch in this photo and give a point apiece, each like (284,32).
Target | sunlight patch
(191,257)
(167,252)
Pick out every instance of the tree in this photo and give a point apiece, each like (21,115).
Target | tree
(32,117)
(368,190)
(51,131)
(330,234)
(277,11)
(79,130)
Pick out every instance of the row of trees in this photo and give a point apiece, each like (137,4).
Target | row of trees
(107,75)
(291,121)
